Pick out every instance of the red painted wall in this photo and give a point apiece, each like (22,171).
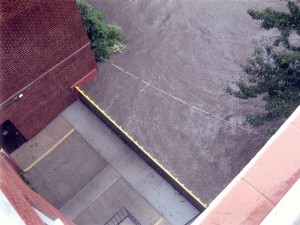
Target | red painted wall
(42,40)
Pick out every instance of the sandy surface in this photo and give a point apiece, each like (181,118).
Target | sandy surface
(191,50)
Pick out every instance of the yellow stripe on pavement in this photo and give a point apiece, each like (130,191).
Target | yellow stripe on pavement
(48,151)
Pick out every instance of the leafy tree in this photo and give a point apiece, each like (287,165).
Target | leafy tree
(273,70)
(105,39)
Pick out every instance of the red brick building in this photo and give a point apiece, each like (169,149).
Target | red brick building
(44,51)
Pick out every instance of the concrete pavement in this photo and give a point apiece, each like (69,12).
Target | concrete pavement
(91,174)
(138,174)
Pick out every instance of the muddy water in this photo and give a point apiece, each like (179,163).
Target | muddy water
(191,50)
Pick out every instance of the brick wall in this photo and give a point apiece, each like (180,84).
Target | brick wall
(44,50)
(23,199)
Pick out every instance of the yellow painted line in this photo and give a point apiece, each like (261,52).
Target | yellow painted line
(49,151)
(159,221)
(141,147)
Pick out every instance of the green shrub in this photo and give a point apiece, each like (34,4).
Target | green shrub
(105,39)
(273,70)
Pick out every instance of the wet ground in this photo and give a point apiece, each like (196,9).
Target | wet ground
(188,51)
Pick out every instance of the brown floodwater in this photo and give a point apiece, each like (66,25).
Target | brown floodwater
(186,52)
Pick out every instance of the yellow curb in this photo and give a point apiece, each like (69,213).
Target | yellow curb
(147,153)
(48,151)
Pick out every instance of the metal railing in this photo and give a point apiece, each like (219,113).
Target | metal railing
(120,216)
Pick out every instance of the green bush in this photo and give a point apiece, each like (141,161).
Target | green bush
(273,70)
(105,39)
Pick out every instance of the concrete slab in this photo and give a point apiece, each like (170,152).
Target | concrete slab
(26,154)
(130,166)
(48,137)
(76,176)
(86,196)
(120,194)
(127,221)
(96,133)
(66,170)
(161,221)
(133,169)
(156,190)
(58,128)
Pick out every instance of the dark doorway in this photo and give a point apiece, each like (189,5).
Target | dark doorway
(11,138)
